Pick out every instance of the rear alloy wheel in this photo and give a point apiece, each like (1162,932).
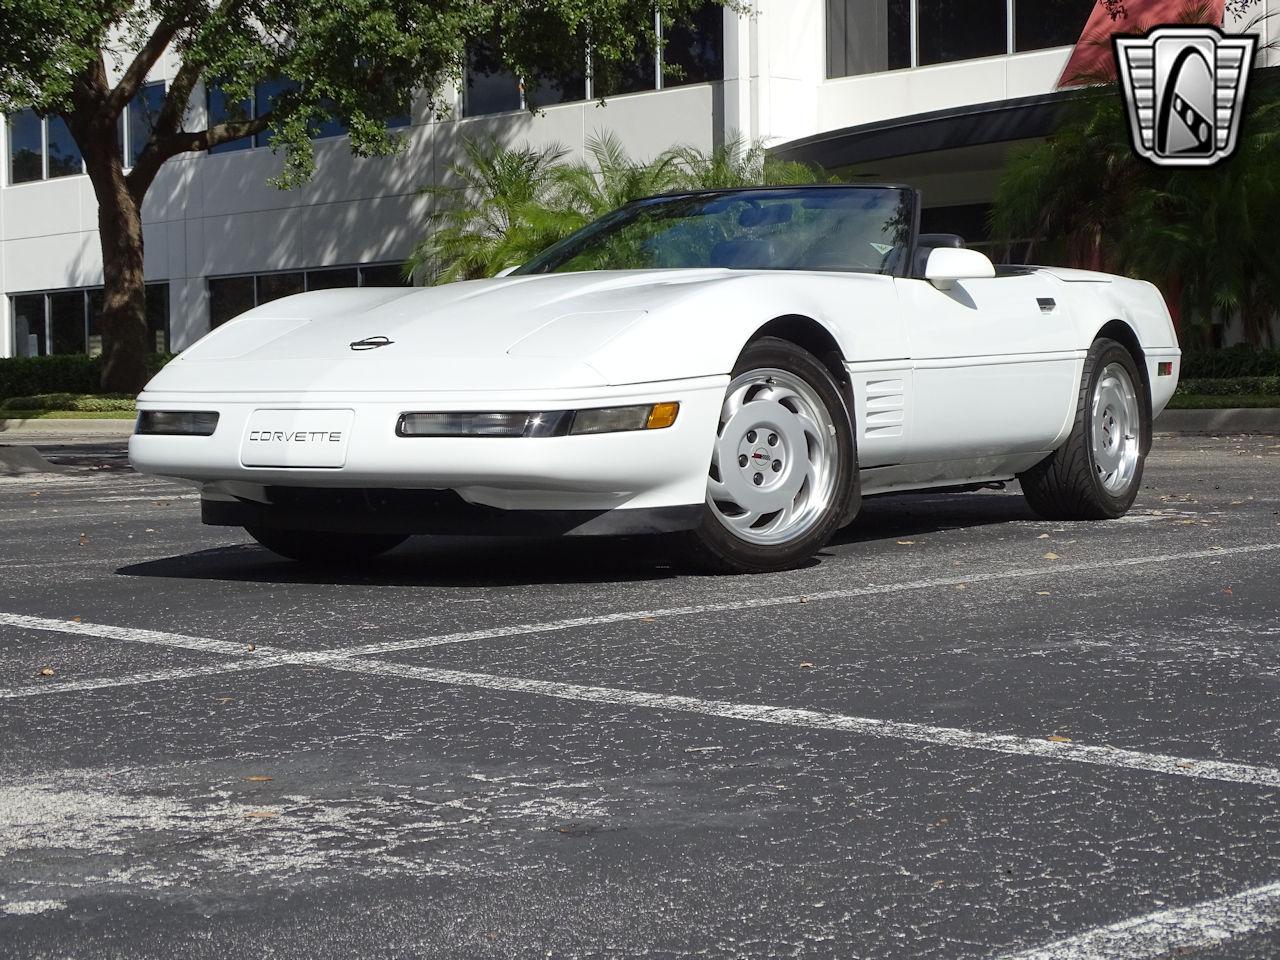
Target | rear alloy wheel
(782,468)
(320,549)
(1096,474)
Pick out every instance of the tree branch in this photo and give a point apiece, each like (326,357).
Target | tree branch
(160,149)
(143,61)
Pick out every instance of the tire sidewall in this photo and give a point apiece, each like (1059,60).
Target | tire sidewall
(729,550)
(1105,353)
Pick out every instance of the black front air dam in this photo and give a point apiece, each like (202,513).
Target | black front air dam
(439,512)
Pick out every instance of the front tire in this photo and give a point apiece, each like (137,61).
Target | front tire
(321,549)
(1096,474)
(783,470)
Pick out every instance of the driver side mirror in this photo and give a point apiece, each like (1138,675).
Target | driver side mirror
(947,265)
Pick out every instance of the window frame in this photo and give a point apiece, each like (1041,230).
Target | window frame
(86,294)
(1010,41)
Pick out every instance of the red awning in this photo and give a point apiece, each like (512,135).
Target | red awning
(1091,61)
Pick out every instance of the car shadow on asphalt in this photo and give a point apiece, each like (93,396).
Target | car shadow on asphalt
(506,562)
(434,562)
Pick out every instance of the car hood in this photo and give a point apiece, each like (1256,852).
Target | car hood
(519,332)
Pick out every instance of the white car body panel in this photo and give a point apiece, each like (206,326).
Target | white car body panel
(968,384)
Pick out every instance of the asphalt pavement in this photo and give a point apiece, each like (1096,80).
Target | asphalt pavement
(962,733)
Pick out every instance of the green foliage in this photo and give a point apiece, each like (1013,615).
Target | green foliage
(513,202)
(1241,360)
(1211,401)
(357,60)
(1224,386)
(67,374)
(78,402)
(1207,237)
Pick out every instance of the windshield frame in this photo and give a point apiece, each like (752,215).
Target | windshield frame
(544,262)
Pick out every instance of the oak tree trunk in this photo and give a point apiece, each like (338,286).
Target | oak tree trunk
(124,310)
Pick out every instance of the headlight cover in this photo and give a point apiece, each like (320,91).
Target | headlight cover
(177,423)
(550,423)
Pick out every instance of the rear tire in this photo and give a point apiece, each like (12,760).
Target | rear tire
(321,549)
(1096,474)
(783,475)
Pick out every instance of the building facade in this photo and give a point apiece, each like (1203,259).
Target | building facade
(890,88)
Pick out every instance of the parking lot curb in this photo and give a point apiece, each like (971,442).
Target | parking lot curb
(24,431)
(1238,420)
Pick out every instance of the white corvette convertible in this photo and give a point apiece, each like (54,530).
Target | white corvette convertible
(736,368)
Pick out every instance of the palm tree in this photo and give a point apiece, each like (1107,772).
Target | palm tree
(735,163)
(481,227)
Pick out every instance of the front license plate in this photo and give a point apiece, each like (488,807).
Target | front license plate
(297,438)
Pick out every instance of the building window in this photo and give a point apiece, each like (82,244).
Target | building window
(949,30)
(140,119)
(70,321)
(488,87)
(694,52)
(221,110)
(1039,24)
(41,149)
(231,296)
(868,36)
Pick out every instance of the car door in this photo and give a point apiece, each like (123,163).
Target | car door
(994,365)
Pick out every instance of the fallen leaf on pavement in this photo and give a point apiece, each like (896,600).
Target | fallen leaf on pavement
(1057,739)
(806,665)
(256,778)
(1051,556)
(1042,593)
(75,620)
(1043,536)
(647,619)
(251,647)
(46,671)
(961,586)
(260,814)
(905,543)
(1228,591)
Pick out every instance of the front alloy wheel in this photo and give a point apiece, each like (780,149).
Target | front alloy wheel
(782,467)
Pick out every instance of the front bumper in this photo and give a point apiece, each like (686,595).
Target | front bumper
(637,470)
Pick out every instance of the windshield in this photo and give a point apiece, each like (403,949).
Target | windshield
(848,229)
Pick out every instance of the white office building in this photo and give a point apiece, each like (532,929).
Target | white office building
(931,92)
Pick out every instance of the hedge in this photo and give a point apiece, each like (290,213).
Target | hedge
(1227,386)
(79,402)
(1238,361)
(70,373)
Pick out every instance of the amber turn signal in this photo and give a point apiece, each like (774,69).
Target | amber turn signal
(662,415)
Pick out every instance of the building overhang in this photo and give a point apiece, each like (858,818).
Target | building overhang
(1000,121)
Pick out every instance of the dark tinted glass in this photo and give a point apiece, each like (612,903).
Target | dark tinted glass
(961,29)
(229,297)
(331,279)
(545,90)
(64,155)
(144,109)
(158,317)
(25,147)
(694,52)
(273,286)
(221,110)
(1049,23)
(66,322)
(490,88)
(95,322)
(264,98)
(848,229)
(28,325)
(383,275)
(629,76)
(867,36)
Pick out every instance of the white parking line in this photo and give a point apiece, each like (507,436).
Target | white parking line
(953,737)
(346,660)
(1169,932)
